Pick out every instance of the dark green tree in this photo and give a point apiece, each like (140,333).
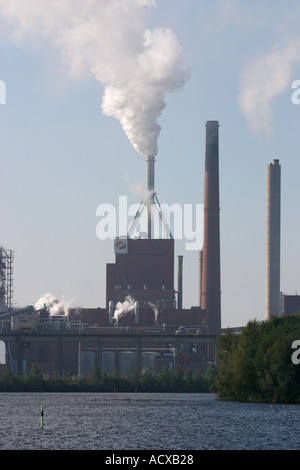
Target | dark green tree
(256,364)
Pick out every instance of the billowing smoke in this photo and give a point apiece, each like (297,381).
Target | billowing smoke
(55,306)
(263,79)
(122,308)
(109,39)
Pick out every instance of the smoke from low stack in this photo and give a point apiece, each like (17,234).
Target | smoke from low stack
(122,308)
(55,306)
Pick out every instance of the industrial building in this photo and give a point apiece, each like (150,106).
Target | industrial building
(144,270)
(141,296)
(290,304)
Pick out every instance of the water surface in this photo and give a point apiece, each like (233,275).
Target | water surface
(124,421)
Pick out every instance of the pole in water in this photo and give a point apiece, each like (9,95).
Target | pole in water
(42,417)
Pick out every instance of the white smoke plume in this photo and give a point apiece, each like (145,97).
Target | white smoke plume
(55,306)
(2,279)
(155,311)
(122,308)
(263,79)
(109,39)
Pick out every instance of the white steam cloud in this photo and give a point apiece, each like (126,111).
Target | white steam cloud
(56,307)
(122,308)
(109,39)
(264,78)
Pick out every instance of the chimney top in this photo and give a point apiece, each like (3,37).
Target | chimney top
(212,124)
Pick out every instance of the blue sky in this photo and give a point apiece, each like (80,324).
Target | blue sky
(61,157)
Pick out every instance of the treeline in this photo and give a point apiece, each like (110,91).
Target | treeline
(164,381)
(257,366)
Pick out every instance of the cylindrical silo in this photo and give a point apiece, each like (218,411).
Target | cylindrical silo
(148,360)
(273,240)
(108,362)
(211,276)
(87,362)
(127,362)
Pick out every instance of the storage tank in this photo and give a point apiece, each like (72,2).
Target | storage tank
(127,362)
(87,362)
(108,362)
(148,360)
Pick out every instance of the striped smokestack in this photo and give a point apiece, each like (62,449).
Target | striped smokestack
(211,276)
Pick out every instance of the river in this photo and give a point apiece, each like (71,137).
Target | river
(140,421)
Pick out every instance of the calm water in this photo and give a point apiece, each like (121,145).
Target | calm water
(120,421)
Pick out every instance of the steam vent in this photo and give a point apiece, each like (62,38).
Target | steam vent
(211,278)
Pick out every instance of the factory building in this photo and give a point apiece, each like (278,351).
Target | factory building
(140,293)
(290,304)
(144,270)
